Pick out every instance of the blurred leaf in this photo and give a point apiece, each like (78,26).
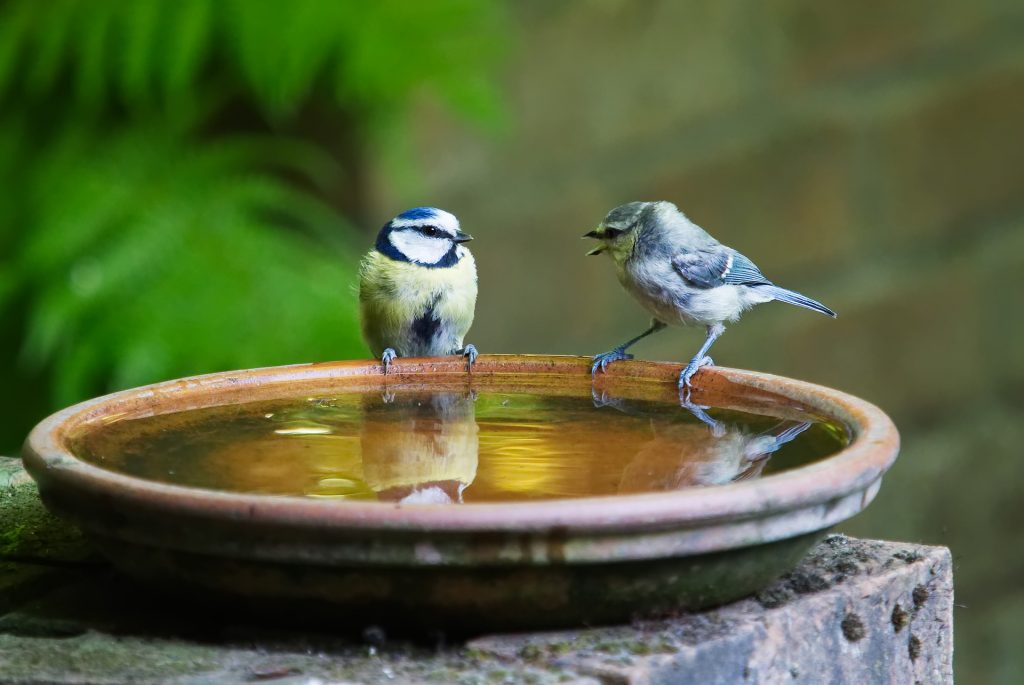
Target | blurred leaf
(175,268)
(49,37)
(378,55)
(189,28)
(139,31)
(14,28)
(95,46)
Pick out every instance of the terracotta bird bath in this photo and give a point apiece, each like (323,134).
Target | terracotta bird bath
(423,527)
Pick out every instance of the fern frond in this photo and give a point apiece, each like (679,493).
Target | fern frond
(162,259)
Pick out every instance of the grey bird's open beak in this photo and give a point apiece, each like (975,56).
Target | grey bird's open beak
(461,237)
(597,250)
(592,234)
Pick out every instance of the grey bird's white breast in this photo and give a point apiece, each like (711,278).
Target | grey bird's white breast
(659,288)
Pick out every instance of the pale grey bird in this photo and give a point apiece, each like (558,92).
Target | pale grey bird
(682,276)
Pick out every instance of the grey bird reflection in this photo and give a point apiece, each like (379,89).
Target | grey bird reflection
(712,452)
(420,448)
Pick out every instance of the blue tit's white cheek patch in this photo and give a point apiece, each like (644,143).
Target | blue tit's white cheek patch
(420,248)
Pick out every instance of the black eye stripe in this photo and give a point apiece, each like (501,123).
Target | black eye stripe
(612,232)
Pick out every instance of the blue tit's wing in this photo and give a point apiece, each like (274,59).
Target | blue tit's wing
(710,267)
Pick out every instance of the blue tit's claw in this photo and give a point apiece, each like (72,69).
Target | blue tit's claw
(470,353)
(601,361)
(389,356)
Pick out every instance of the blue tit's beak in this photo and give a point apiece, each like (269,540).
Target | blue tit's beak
(592,234)
(461,237)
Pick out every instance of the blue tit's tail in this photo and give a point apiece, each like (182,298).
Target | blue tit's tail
(791,297)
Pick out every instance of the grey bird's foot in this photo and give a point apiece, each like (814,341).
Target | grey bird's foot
(470,353)
(686,377)
(602,399)
(601,361)
(717,427)
(389,356)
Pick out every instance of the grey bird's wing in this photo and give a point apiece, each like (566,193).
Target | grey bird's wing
(710,267)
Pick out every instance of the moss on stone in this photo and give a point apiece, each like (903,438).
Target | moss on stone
(27,529)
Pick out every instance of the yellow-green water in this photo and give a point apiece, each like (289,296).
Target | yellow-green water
(453,447)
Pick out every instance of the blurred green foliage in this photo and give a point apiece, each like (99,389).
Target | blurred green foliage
(177,175)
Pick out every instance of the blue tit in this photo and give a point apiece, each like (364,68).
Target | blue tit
(682,276)
(417,288)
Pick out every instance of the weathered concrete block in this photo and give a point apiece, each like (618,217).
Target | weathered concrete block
(854,612)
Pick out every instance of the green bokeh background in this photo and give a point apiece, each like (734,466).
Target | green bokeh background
(186,186)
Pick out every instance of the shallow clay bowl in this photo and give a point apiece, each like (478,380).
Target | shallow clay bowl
(477,566)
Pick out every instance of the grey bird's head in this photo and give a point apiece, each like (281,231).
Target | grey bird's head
(619,230)
(426,236)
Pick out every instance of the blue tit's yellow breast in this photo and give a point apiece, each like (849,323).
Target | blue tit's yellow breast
(396,297)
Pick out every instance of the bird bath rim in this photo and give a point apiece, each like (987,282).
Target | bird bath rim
(815,496)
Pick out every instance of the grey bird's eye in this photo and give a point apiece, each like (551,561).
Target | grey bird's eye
(612,232)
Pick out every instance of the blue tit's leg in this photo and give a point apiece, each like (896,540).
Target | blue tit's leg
(701,358)
(470,353)
(389,356)
(601,361)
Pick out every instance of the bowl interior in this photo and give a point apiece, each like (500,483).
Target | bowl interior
(503,438)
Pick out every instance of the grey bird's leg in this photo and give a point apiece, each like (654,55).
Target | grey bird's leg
(389,356)
(700,359)
(470,353)
(717,427)
(601,361)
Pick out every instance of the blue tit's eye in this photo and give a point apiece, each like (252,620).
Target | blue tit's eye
(612,232)
(428,230)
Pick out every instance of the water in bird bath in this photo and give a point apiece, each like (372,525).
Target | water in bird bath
(442,447)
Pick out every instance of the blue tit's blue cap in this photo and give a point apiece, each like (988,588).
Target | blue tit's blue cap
(418,213)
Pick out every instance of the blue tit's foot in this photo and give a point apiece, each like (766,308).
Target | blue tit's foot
(686,377)
(601,361)
(470,353)
(388,397)
(389,356)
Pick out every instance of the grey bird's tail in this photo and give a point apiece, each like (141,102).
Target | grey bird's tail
(792,297)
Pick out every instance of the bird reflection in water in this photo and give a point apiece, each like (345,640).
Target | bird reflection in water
(420,448)
(712,452)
